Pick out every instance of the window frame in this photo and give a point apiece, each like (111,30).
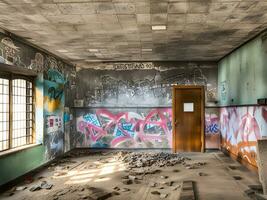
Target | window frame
(10,76)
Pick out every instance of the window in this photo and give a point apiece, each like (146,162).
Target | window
(16,111)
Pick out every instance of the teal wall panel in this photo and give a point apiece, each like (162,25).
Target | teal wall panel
(242,75)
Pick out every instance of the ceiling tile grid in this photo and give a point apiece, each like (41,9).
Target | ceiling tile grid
(84,31)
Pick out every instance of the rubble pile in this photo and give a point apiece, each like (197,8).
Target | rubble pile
(151,159)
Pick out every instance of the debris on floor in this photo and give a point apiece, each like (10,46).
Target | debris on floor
(141,159)
(42,185)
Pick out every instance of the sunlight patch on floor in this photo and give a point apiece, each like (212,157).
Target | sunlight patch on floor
(95,175)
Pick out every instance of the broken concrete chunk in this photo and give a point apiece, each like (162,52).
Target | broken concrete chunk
(35,188)
(152,184)
(20,188)
(177,187)
(163,177)
(202,174)
(127,182)
(125,189)
(132,177)
(155,192)
(163,196)
(45,185)
(170,183)
(125,177)
(116,188)
(237,177)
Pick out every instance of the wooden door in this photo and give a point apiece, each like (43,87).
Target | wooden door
(188,118)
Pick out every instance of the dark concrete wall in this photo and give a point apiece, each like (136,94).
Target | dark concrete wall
(52,73)
(128,105)
(150,86)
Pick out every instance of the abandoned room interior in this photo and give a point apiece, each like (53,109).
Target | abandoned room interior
(133,99)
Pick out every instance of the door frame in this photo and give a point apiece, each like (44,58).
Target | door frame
(202,114)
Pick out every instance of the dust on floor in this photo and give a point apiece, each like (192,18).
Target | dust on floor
(138,176)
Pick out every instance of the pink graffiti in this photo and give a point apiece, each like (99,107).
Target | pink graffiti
(111,123)
(240,129)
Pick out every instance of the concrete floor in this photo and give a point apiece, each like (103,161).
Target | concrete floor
(105,172)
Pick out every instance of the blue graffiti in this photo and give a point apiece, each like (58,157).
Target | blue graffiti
(91,118)
(212,128)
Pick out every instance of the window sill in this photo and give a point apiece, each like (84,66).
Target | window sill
(17,149)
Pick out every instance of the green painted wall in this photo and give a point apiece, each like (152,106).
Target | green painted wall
(242,75)
(21,162)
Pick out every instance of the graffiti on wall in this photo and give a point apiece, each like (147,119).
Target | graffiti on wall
(14,53)
(53,111)
(146,128)
(212,129)
(134,87)
(241,127)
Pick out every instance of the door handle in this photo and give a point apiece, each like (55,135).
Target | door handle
(176,123)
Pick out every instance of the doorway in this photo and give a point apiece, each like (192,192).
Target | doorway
(188,118)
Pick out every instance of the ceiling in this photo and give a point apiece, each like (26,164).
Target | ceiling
(84,31)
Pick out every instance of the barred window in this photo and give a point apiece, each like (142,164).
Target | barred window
(16,111)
